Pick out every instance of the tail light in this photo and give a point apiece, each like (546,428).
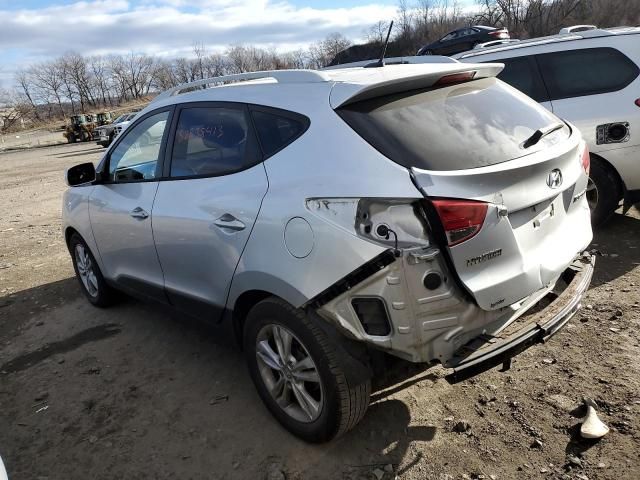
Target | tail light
(585,160)
(500,33)
(637,102)
(461,219)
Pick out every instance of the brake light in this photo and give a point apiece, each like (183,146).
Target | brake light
(455,78)
(461,219)
(637,102)
(499,34)
(585,161)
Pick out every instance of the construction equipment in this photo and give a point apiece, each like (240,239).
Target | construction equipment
(104,118)
(80,128)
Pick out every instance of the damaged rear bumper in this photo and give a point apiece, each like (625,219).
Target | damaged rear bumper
(484,353)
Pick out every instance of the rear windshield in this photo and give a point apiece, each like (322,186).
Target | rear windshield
(463,126)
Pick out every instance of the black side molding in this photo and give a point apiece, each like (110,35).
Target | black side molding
(358,275)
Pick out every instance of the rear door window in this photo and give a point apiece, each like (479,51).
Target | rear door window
(468,125)
(277,129)
(211,141)
(522,73)
(587,71)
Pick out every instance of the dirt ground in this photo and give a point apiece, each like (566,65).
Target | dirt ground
(31,138)
(138,392)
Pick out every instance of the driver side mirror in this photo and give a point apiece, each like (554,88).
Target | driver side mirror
(81,174)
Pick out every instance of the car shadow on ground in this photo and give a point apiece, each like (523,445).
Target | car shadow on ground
(177,372)
(617,246)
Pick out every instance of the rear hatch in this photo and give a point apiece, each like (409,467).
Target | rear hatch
(503,177)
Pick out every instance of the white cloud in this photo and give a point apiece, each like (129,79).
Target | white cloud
(165,26)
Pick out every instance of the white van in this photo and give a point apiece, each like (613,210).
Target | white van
(591,78)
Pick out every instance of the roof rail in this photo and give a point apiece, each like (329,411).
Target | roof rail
(493,43)
(395,61)
(280,76)
(576,29)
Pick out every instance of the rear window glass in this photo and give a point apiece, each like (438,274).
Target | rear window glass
(587,71)
(277,131)
(463,126)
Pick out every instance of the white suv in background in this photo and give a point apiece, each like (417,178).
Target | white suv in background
(592,79)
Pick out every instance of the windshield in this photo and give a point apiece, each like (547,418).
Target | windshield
(121,118)
(462,126)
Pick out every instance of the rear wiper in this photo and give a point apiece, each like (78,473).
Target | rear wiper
(541,132)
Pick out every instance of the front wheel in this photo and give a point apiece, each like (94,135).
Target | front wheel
(603,192)
(299,374)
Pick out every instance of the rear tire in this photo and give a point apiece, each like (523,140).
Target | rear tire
(337,404)
(89,275)
(603,192)
(71,138)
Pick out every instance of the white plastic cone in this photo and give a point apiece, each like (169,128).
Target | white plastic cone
(592,426)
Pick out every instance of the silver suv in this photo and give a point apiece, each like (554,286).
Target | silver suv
(428,211)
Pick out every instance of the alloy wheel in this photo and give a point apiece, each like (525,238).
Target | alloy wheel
(289,373)
(85,270)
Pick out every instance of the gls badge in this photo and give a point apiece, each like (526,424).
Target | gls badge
(554,179)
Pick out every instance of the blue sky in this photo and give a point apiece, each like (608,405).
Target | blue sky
(37,30)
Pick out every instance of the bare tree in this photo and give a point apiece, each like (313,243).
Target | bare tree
(200,53)
(25,82)
(216,65)
(377,33)
(101,78)
(322,52)
(80,79)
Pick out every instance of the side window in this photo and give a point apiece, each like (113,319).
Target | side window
(588,71)
(136,155)
(520,72)
(277,131)
(212,141)
(449,36)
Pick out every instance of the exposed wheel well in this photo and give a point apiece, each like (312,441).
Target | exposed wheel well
(245,302)
(612,169)
(67,234)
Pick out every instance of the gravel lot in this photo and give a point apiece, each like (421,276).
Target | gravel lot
(138,392)
(31,138)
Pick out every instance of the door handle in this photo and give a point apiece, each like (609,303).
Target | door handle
(139,212)
(229,222)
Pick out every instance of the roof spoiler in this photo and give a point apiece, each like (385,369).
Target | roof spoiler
(412,60)
(406,78)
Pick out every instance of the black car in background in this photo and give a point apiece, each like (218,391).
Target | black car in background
(464,39)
